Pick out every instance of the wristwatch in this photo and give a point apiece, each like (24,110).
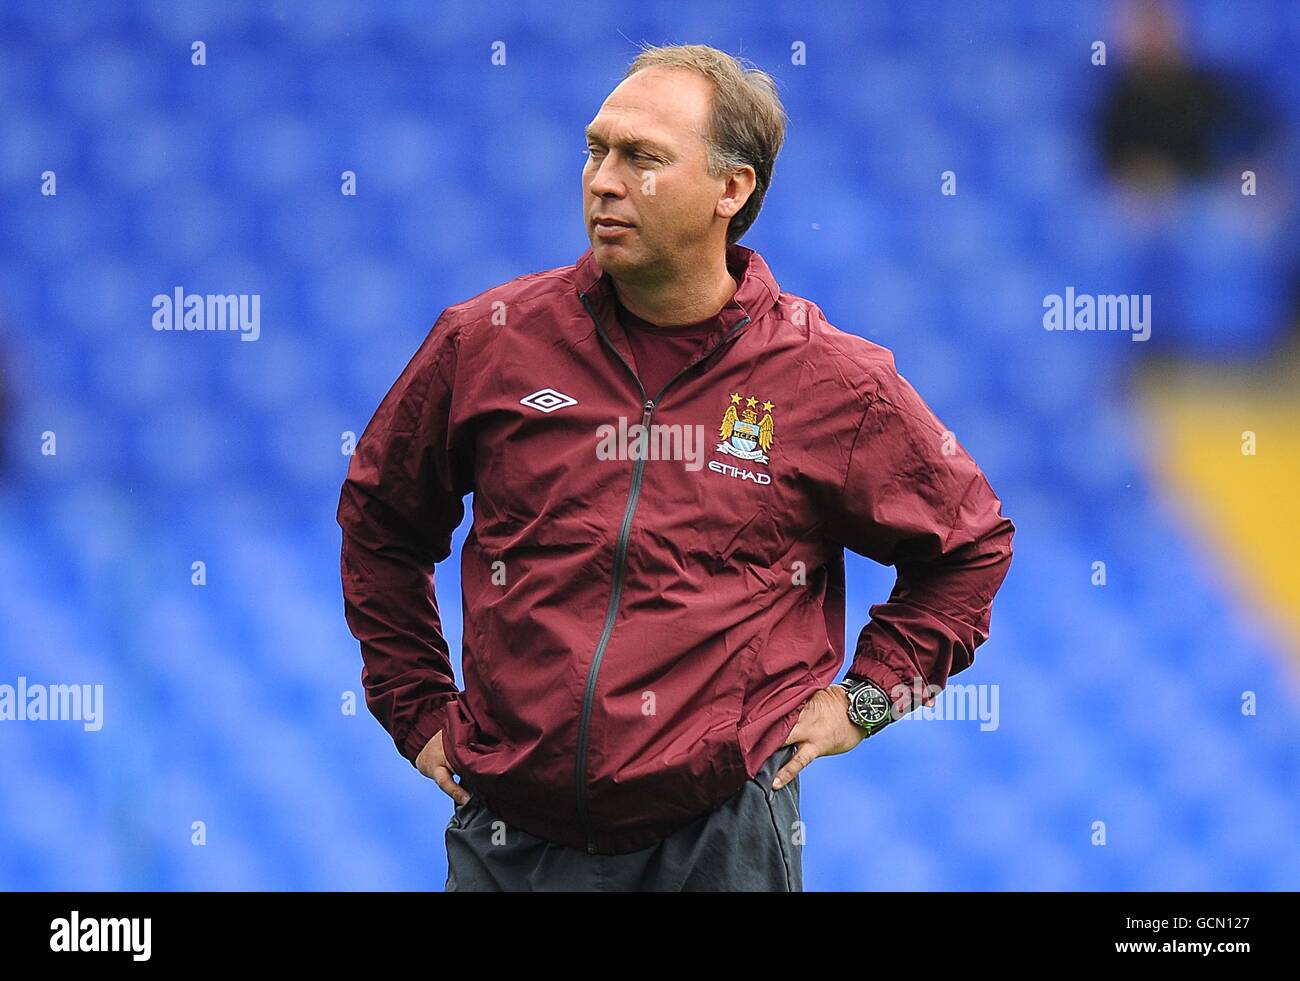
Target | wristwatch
(868,703)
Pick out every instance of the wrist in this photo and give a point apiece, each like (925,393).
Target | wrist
(840,692)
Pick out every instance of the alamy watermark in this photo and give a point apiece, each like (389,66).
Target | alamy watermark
(658,441)
(102,934)
(1105,311)
(179,310)
(954,703)
(53,703)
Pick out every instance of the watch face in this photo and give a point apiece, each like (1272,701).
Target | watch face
(871,705)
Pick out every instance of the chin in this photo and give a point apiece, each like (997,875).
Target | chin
(614,257)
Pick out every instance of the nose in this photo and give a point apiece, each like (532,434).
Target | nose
(605,182)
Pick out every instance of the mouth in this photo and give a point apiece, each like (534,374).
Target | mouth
(610,228)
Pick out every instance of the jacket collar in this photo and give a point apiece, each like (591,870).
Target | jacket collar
(756,294)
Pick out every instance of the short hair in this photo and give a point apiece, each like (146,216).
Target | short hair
(747,122)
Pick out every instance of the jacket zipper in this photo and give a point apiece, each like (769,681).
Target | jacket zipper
(620,554)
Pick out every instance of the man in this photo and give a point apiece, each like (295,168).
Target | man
(668,455)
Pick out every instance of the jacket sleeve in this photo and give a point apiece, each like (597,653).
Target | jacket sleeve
(400,503)
(914,499)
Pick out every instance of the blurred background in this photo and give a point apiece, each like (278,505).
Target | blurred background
(1146,645)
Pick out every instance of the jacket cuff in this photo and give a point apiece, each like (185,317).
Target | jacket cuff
(429,726)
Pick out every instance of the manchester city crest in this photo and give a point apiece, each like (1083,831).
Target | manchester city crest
(744,434)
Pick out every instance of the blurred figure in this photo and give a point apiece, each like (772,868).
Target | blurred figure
(1168,119)
(1186,149)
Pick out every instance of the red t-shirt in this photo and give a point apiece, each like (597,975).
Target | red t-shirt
(661,352)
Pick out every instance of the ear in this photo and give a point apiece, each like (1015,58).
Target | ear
(739,186)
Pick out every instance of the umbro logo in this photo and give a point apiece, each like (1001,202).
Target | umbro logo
(548,400)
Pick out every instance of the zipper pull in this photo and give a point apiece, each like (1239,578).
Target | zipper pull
(649,407)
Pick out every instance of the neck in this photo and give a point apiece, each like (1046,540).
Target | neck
(686,294)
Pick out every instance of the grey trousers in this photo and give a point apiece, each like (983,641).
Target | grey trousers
(753,842)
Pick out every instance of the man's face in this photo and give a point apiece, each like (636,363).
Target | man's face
(647,167)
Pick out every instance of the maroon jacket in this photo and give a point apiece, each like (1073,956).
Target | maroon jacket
(641,633)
